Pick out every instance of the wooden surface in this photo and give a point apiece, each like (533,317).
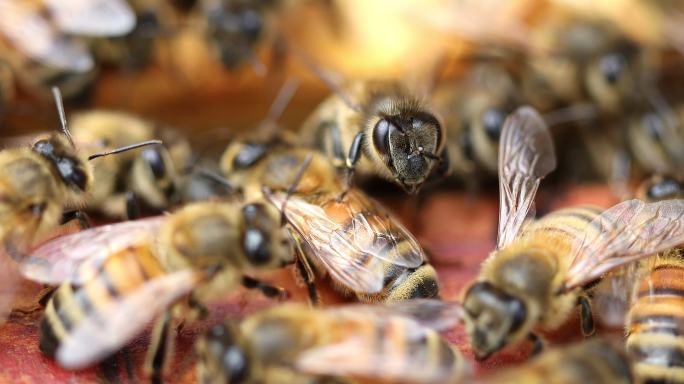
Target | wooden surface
(457,229)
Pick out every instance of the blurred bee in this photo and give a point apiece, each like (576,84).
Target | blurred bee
(149,179)
(658,188)
(36,184)
(119,277)
(42,51)
(351,238)
(474,110)
(379,128)
(236,28)
(536,275)
(297,344)
(593,361)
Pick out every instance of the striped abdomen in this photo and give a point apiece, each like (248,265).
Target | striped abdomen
(568,223)
(656,324)
(120,274)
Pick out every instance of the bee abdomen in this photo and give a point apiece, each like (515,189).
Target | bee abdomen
(411,283)
(656,326)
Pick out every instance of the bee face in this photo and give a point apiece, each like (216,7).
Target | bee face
(492,317)
(235,29)
(611,76)
(408,145)
(223,356)
(263,246)
(71,169)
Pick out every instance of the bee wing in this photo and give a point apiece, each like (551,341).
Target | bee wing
(384,357)
(612,297)
(93,17)
(431,313)
(113,326)
(526,155)
(354,248)
(622,234)
(60,259)
(35,36)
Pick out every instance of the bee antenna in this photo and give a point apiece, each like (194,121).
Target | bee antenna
(124,149)
(62,117)
(282,99)
(577,112)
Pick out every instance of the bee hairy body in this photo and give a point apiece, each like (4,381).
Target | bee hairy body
(655,323)
(526,275)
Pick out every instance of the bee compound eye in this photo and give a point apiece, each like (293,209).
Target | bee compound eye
(381,133)
(612,67)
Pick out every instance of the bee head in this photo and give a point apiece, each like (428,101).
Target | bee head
(611,75)
(265,242)
(71,169)
(222,355)
(408,145)
(234,30)
(662,188)
(492,318)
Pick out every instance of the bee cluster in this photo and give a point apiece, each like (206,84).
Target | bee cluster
(132,227)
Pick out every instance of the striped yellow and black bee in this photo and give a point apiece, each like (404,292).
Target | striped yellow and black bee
(341,232)
(118,277)
(38,40)
(592,362)
(359,343)
(379,128)
(535,277)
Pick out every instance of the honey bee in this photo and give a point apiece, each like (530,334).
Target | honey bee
(346,236)
(474,110)
(37,183)
(293,343)
(119,277)
(379,128)
(148,179)
(536,275)
(592,361)
(659,188)
(236,28)
(42,51)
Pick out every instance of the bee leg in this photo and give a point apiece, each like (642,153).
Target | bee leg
(267,289)
(132,206)
(306,272)
(160,348)
(82,217)
(352,158)
(46,296)
(537,343)
(444,165)
(586,318)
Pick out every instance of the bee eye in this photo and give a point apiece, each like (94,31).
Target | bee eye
(653,126)
(381,136)
(37,209)
(612,67)
(251,24)
(492,120)
(156,162)
(255,243)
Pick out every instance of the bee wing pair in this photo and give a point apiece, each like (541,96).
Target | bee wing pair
(351,238)
(357,356)
(622,234)
(79,257)
(25,25)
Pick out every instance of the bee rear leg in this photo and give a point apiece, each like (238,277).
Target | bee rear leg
(268,290)
(586,318)
(537,343)
(307,274)
(132,206)
(160,348)
(82,217)
(352,159)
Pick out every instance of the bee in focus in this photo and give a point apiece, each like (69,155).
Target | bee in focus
(535,277)
(293,343)
(592,361)
(119,277)
(474,109)
(362,248)
(149,179)
(379,128)
(43,51)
